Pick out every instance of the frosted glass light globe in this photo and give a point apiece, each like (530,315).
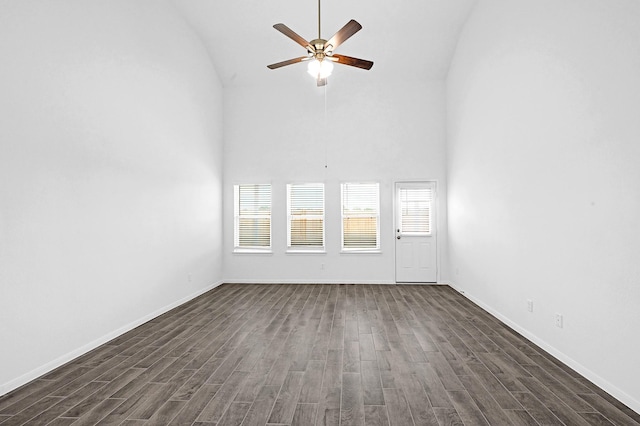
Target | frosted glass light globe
(320,69)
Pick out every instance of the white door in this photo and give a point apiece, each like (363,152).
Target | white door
(415,226)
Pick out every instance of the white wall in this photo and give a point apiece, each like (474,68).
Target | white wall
(110,175)
(543,176)
(370,132)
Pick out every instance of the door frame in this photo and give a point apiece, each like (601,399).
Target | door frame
(434,217)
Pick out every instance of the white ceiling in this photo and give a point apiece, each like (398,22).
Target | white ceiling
(406,39)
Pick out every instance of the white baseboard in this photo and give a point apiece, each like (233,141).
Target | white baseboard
(594,378)
(318,281)
(44,369)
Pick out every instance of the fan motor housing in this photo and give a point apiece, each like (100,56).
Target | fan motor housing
(318,44)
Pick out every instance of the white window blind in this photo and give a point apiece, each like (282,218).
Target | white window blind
(415,211)
(360,216)
(252,216)
(305,206)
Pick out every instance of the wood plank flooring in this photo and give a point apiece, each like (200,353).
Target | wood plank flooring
(317,355)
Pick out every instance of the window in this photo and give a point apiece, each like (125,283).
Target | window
(252,205)
(305,216)
(415,211)
(360,216)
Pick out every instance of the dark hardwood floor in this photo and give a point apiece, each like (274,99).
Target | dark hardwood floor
(317,354)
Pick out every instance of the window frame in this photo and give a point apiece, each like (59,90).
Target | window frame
(377,248)
(237,216)
(306,248)
(429,209)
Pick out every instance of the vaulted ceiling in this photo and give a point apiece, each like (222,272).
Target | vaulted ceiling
(406,39)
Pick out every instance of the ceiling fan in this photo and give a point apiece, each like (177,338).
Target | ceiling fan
(320,51)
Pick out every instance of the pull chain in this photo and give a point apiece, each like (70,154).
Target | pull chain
(326,151)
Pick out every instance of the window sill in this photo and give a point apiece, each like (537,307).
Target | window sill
(251,251)
(361,251)
(309,251)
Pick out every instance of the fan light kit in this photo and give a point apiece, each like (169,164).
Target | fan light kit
(320,51)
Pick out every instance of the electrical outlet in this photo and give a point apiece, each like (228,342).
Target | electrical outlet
(559,320)
(529,305)
(322,266)
(189,277)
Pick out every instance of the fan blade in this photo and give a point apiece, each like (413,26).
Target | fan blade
(344,33)
(288,62)
(354,62)
(291,34)
(322,82)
